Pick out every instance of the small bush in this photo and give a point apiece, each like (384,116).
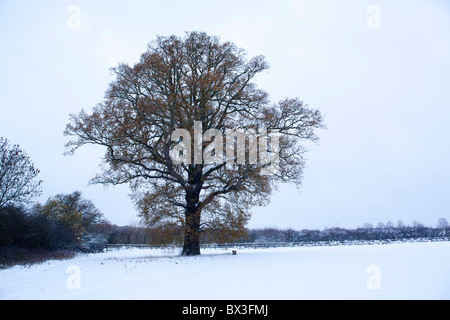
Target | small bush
(59,229)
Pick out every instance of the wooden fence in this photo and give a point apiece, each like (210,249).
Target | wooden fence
(256,245)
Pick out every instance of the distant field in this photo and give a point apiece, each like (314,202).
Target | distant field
(394,271)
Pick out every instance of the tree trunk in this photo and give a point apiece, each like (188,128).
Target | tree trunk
(191,246)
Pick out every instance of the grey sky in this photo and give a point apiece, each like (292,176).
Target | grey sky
(385,92)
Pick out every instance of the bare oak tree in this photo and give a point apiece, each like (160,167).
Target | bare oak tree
(18,176)
(181,83)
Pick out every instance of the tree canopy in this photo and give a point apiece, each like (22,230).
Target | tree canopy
(205,87)
(18,176)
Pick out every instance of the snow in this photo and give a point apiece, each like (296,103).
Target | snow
(394,271)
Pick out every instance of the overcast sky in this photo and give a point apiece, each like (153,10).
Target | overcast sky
(379,70)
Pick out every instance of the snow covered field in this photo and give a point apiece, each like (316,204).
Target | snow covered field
(395,271)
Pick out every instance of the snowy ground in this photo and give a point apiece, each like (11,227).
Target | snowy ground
(395,271)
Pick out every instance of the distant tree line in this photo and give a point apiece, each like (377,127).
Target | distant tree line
(171,235)
(165,234)
(367,232)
